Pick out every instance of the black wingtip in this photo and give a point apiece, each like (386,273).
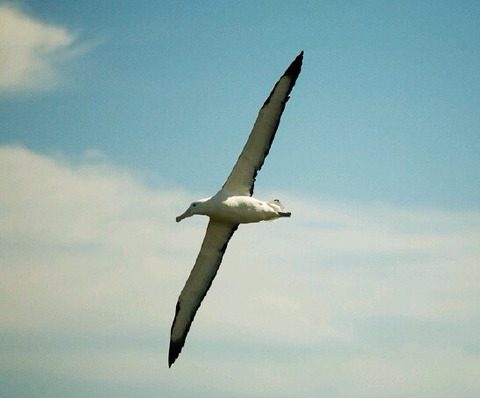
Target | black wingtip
(295,67)
(175,346)
(173,352)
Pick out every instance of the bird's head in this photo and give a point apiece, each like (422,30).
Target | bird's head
(197,207)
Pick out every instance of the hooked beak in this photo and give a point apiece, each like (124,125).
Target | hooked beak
(184,215)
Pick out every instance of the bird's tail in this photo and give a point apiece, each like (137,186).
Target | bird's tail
(278,207)
(284,214)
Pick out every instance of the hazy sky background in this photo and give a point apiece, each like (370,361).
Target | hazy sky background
(114,116)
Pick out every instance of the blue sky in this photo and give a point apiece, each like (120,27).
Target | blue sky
(113,117)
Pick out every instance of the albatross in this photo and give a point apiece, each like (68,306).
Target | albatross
(231,206)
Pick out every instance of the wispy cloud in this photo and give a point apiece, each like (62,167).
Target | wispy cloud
(32,53)
(341,299)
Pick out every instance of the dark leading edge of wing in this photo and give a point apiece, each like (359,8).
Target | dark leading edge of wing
(242,178)
(206,266)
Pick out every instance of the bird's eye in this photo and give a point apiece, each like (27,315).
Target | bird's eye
(194,204)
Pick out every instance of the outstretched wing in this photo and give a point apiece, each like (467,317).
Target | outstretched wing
(250,161)
(205,268)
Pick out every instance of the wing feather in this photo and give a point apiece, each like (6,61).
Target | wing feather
(206,266)
(242,177)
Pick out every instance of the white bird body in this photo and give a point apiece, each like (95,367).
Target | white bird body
(227,207)
(231,206)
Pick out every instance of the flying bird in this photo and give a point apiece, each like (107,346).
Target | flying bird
(231,206)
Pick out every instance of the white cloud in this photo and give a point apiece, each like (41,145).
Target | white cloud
(340,299)
(32,52)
